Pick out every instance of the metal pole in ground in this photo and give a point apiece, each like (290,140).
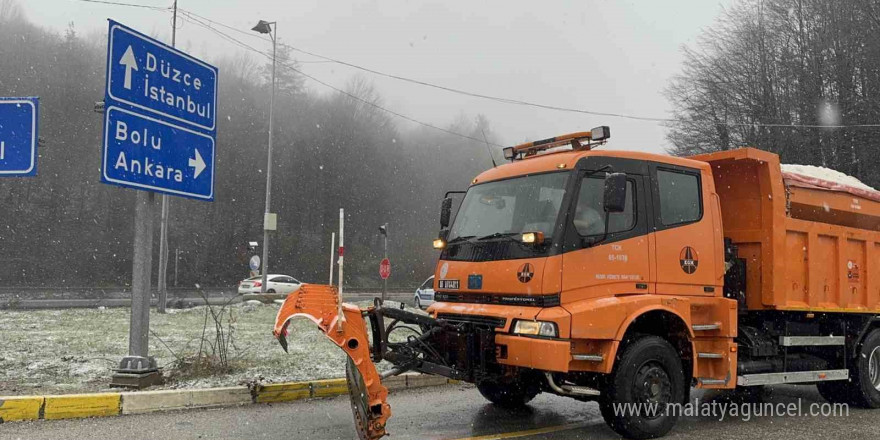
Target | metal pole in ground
(138,369)
(385,280)
(264,27)
(339,264)
(163,257)
(176,261)
(163,228)
(332,253)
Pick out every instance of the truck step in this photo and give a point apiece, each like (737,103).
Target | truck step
(583,391)
(588,357)
(748,380)
(710,355)
(709,381)
(794,341)
(706,327)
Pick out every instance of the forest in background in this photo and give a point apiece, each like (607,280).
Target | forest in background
(800,78)
(65,228)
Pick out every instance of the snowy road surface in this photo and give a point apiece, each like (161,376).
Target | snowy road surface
(453,412)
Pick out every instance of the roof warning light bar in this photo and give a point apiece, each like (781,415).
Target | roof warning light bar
(583,140)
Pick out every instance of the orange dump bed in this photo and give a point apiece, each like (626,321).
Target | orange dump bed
(809,245)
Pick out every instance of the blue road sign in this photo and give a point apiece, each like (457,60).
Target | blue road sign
(155,78)
(145,153)
(160,119)
(18,136)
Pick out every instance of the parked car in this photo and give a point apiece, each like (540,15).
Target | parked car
(424,295)
(276,283)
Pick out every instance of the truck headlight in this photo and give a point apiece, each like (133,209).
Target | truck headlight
(536,328)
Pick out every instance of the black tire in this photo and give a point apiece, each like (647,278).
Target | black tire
(418,303)
(863,387)
(835,391)
(865,373)
(649,371)
(751,394)
(513,393)
(270,291)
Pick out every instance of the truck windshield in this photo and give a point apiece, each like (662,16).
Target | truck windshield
(509,207)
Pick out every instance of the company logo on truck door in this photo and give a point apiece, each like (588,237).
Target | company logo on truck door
(689,260)
(525,273)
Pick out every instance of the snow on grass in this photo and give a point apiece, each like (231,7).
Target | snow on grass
(63,351)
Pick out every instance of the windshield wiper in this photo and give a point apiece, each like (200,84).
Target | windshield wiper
(460,239)
(499,235)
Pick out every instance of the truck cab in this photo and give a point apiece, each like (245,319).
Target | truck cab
(538,249)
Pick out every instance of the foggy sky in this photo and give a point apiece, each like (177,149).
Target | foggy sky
(604,56)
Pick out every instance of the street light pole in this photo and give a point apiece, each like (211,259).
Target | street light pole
(264,27)
(162,285)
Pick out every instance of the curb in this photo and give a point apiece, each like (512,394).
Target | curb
(76,406)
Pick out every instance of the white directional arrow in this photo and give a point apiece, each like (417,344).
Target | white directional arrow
(130,64)
(198,164)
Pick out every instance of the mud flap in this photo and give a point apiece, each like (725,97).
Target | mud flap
(319,303)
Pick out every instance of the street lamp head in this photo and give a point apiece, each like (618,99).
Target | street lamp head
(263,27)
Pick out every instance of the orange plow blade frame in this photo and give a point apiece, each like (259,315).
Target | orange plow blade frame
(320,304)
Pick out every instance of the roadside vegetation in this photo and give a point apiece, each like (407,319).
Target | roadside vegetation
(64,351)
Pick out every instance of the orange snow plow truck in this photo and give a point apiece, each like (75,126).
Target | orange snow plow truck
(626,277)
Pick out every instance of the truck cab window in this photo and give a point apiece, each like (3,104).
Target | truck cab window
(589,216)
(679,197)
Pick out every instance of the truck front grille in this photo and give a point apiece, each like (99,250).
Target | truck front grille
(507,300)
(489,321)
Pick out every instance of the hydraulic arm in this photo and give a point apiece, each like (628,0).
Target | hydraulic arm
(409,341)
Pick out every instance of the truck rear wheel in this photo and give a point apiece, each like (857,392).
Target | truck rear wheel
(510,393)
(646,379)
(863,387)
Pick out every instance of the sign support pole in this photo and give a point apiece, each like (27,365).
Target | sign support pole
(138,369)
(186,145)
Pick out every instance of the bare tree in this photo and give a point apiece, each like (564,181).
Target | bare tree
(784,76)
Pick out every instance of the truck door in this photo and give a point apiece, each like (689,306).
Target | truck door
(685,251)
(595,264)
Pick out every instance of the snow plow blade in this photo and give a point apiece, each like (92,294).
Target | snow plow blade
(320,304)
(447,346)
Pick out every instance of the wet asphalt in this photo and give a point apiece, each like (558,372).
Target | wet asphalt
(455,412)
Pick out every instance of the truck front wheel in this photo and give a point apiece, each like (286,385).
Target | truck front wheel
(510,393)
(647,380)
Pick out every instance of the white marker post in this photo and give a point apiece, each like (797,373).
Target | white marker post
(341,256)
(332,253)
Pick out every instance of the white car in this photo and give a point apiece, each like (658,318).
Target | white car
(424,295)
(282,284)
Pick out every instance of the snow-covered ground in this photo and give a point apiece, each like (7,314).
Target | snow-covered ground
(64,351)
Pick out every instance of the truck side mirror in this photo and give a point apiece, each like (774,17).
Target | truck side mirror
(615,193)
(445,212)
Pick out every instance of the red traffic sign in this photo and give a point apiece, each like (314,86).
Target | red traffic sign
(385,268)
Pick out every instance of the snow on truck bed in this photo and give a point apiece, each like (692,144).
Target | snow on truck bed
(809,176)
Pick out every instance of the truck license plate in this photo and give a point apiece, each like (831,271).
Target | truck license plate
(448,284)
